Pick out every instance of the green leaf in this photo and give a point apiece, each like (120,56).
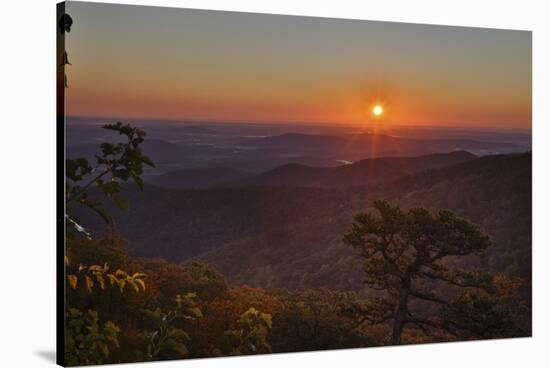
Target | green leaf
(96,207)
(147,160)
(120,202)
(138,181)
(195,311)
(123,174)
(178,333)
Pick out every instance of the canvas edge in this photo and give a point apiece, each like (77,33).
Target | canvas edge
(60,185)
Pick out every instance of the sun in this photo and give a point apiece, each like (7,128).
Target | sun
(377,110)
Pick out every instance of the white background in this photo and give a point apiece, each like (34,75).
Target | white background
(27,181)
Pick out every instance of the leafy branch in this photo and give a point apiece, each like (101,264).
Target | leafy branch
(166,337)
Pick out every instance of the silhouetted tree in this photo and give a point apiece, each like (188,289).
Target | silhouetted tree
(404,256)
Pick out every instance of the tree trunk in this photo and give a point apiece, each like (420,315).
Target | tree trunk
(397,330)
(401,312)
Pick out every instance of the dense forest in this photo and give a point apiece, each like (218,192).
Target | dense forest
(441,252)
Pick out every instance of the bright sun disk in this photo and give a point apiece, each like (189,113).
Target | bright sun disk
(377,110)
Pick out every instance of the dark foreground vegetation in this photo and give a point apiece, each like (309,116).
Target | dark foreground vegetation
(323,269)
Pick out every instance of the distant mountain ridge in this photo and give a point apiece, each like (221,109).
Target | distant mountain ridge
(176,148)
(365,172)
(372,145)
(195,129)
(361,173)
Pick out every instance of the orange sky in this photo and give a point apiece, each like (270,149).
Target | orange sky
(149,63)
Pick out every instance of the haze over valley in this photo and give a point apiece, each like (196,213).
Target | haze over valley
(256,148)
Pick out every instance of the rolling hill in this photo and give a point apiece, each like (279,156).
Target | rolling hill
(493,192)
(291,236)
(200,178)
(365,172)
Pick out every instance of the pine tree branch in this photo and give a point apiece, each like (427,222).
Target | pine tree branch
(427,296)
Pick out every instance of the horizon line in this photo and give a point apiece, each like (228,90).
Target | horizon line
(311,123)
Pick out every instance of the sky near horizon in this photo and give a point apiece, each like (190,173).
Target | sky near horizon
(146,62)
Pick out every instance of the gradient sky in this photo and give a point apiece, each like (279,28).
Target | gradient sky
(166,63)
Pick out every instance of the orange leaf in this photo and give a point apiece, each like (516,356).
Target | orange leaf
(89,283)
(72,280)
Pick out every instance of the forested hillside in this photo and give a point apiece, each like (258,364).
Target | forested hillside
(199,178)
(493,192)
(291,237)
